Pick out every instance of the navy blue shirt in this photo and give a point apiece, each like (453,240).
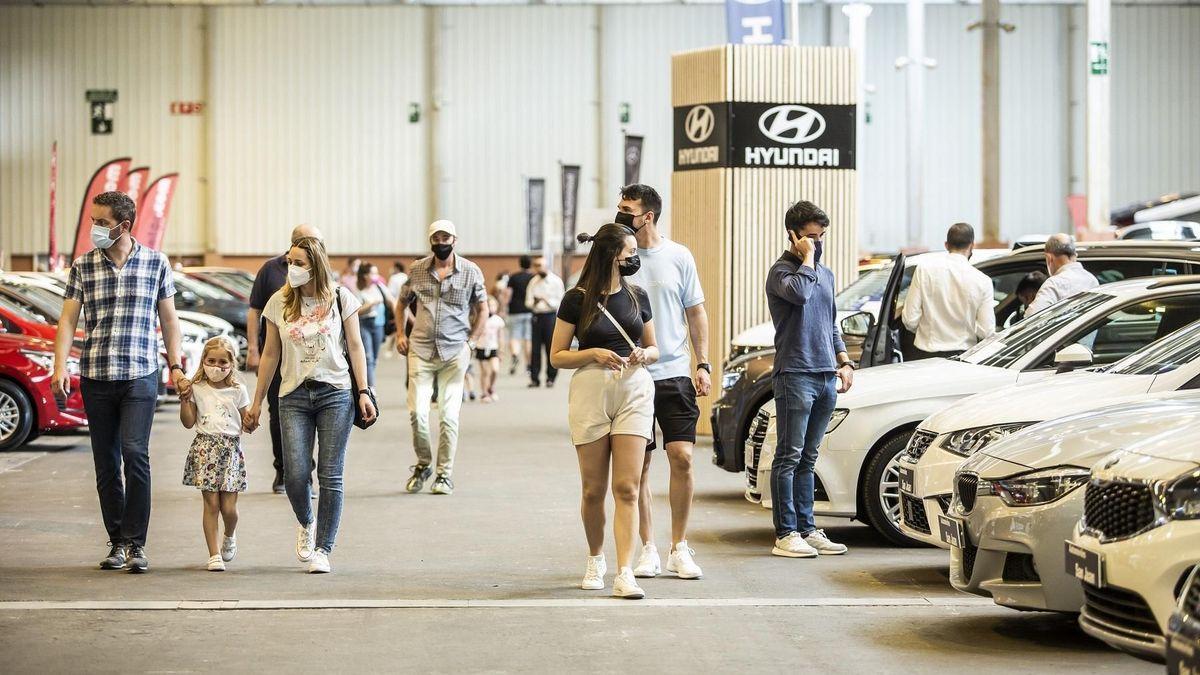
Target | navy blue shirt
(270,278)
(807,339)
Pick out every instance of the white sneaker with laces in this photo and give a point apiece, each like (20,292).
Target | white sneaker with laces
(319,563)
(821,543)
(593,578)
(793,546)
(228,548)
(215,564)
(625,586)
(649,565)
(681,563)
(304,541)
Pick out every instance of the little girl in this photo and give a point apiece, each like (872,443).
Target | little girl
(215,463)
(488,351)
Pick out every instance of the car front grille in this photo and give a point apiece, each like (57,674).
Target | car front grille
(914,513)
(968,485)
(1120,610)
(919,443)
(1191,602)
(1116,510)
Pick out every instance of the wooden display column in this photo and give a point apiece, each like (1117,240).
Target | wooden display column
(756,129)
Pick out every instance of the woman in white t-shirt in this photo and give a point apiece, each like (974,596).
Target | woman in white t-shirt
(306,320)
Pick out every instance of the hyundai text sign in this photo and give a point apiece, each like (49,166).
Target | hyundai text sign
(754,22)
(779,135)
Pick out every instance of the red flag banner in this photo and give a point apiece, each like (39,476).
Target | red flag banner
(53,262)
(154,210)
(135,182)
(107,178)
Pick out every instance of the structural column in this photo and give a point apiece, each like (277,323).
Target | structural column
(1099,173)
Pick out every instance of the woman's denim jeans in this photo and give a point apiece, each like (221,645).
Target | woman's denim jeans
(803,405)
(320,409)
(372,339)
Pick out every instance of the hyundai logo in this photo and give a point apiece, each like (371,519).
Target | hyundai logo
(699,123)
(792,124)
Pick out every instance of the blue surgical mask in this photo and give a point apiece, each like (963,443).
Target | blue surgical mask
(102,237)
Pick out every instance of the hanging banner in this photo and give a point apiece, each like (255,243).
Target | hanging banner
(135,181)
(54,265)
(535,212)
(633,159)
(754,22)
(106,179)
(764,135)
(570,204)
(153,211)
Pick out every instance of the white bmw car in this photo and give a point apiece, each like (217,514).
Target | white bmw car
(1170,363)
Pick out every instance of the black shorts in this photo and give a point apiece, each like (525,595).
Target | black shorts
(675,411)
(486,354)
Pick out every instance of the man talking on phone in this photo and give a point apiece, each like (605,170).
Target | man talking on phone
(811,369)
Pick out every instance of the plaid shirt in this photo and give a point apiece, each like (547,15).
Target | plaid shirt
(120,311)
(443,321)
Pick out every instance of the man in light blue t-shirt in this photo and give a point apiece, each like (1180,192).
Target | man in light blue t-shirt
(668,275)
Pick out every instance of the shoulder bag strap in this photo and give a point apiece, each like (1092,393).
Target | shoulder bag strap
(616,323)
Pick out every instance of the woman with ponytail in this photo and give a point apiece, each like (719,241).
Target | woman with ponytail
(611,400)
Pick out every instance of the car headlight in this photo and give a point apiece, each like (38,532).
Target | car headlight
(45,360)
(967,442)
(1183,498)
(731,378)
(839,414)
(1039,487)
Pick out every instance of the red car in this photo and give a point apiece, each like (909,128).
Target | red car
(27,406)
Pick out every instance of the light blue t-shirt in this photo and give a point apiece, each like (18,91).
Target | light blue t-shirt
(668,275)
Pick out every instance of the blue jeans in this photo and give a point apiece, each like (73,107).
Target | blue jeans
(803,404)
(316,408)
(372,339)
(120,413)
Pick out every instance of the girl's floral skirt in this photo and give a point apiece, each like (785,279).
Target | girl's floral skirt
(215,463)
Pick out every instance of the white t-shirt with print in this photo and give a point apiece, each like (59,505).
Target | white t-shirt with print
(218,410)
(491,333)
(668,275)
(311,345)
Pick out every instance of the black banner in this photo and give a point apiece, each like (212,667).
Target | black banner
(535,212)
(633,159)
(780,135)
(570,204)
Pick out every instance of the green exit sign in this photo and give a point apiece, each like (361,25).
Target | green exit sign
(1098,57)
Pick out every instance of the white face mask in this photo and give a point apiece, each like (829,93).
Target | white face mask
(101,237)
(216,373)
(298,276)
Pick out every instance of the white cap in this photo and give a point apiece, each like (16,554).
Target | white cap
(442,226)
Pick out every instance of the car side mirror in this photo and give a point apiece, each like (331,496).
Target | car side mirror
(188,298)
(858,324)
(1072,356)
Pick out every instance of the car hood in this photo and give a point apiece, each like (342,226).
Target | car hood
(15,341)
(1155,461)
(762,335)
(1083,439)
(1052,397)
(928,378)
(205,320)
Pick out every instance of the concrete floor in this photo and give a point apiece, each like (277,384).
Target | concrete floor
(484,580)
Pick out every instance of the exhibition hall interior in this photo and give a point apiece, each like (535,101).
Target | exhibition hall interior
(573,336)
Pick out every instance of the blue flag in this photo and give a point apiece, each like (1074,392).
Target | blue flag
(754,22)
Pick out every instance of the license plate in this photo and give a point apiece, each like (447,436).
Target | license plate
(1183,657)
(952,531)
(1086,566)
(908,478)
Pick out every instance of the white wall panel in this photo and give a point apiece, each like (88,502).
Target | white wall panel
(49,58)
(310,124)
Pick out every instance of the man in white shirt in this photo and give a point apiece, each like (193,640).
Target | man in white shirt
(395,284)
(1067,275)
(950,303)
(542,297)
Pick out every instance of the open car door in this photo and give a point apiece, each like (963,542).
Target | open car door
(882,343)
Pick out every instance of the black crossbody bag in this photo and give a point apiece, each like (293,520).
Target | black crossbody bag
(358,417)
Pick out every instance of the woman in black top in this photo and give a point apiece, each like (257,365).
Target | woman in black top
(612,395)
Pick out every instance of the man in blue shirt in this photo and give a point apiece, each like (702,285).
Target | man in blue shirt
(811,369)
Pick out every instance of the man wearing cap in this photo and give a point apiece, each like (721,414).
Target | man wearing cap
(448,288)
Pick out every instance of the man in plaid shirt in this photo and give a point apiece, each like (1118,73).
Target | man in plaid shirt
(123,288)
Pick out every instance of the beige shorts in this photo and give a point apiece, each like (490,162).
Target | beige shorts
(603,402)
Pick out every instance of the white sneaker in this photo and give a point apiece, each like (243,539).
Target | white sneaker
(821,543)
(228,548)
(593,578)
(304,541)
(681,563)
(649,565)
(215,564)
(319,563)
(626,586)
(793,546)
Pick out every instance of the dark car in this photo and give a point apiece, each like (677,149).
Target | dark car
(196,295)
(746,375)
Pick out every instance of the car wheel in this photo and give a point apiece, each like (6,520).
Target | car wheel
(880,490)
(16,416)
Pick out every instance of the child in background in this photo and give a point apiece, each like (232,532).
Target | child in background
(488,351)
(215,464)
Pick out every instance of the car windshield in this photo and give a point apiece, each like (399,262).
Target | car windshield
(201,289)
(235,281)
(49,301)
(867,290)
(1003,349)
(1163,355)
(21,309)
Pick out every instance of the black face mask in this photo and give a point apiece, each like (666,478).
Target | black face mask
(442,251)
(817,253)
(629,266)
(542,274)
(626,219)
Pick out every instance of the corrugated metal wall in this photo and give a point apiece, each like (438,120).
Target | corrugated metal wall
(49,58)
